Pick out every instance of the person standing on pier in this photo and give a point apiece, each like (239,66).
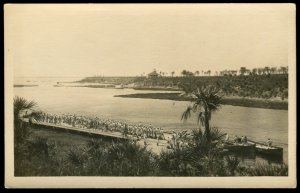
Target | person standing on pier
(157,135)
(125,130)
(174,138)
(226,138)
(236,139)
(162,136)
(269,142)
(145,139)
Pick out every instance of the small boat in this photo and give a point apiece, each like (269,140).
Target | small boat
(239,147)
(119,86)
(264,149)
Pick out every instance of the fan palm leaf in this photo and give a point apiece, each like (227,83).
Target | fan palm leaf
(21,104)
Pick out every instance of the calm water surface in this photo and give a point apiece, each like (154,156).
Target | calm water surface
(256,123)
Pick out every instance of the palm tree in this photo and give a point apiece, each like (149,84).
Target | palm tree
(267,70)
(283,70)
(273,70)
(172,73)
(242,71)
(21,104)
(208,72)
(197,73)
(205,101)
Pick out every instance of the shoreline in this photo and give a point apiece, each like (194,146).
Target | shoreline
(108,135)
(25,85)
(234,101)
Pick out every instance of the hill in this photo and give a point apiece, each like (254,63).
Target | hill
(258,86)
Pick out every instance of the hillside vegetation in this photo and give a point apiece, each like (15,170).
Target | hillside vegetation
(259,86)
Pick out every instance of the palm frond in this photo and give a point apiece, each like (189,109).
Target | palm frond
(187,113)
(216,134)
(22,104)
(195,107)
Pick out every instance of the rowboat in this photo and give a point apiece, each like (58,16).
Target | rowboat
(264,149)
(239,147)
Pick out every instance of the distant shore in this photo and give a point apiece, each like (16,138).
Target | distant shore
(234,101)
(157,88)
(94,86)
(24,85)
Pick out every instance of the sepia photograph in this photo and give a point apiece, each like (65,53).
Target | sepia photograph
(150,95)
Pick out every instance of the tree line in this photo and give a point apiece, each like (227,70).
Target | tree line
(242,71)
(264,86)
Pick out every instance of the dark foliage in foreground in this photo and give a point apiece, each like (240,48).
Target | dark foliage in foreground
(39,156)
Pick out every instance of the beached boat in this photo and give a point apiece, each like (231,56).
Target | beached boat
(264,149)
(239,147)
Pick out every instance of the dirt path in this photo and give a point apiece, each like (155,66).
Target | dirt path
(152,145)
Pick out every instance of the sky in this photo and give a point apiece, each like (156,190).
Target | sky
(131,39)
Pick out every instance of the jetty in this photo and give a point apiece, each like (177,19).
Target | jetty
(151,143)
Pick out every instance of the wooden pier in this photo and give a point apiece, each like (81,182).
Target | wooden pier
(88,132)
(151,143)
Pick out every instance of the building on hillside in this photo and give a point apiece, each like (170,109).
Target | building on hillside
(153,74)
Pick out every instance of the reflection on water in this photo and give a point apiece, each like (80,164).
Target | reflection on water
(255,123)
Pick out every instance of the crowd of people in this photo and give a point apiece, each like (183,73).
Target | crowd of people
(175,140)
(179,140)
(105,125)
(244,140)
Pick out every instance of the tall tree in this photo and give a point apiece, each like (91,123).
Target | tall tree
(283,69)
(243,70)
(273,70)
(208,72)
(266,70)
(205,101)
(172,73)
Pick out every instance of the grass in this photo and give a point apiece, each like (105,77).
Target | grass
(266,170)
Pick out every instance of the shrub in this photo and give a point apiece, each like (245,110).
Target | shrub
(266,170)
